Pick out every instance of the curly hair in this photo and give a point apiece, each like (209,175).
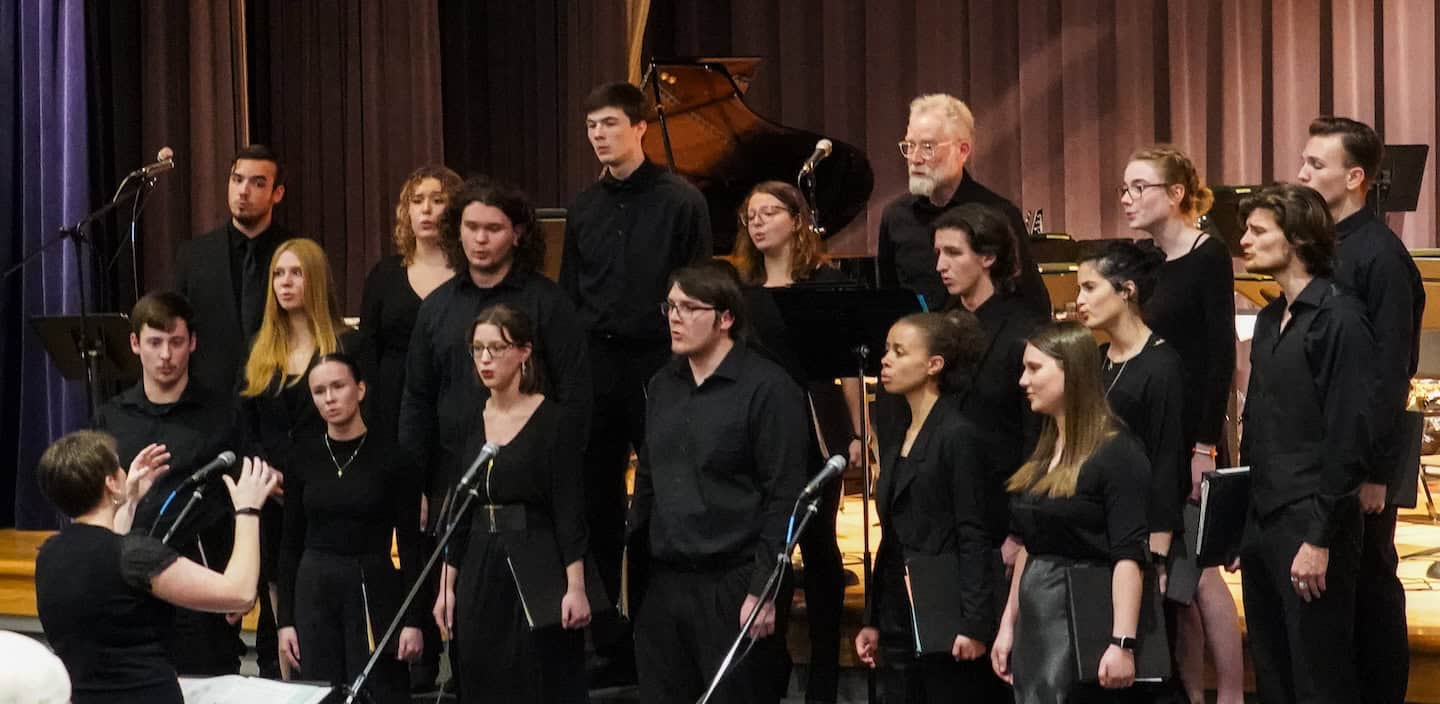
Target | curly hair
(404,235)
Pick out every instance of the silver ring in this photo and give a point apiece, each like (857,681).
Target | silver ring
(1301,584)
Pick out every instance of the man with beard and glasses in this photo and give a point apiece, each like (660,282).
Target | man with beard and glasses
(939,140)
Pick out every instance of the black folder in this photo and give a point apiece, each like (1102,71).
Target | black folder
(1091,621)
(1182,571)
(935,613)
(541,583)
(1224,503)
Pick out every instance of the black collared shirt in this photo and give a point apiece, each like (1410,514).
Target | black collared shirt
(194,429)
(623,238)
(443,396)
(1372,264)
(722,464)
(907,245)
(1307,426)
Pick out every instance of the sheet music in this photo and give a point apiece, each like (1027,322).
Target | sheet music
(238,689)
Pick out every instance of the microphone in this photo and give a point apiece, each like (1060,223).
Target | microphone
(222,462)
(472,475)
(835,465)
(164,161)
(822,150)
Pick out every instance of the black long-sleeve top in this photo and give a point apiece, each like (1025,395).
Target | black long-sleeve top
(354,513)
(907,245)
(540,469)
(388,310)
(443,396)
(1145,392)
(1104,521)
(930,502)
(1307,426)
(722,464)
(623,238)
(1193,308)
(994,402)
(1373,265)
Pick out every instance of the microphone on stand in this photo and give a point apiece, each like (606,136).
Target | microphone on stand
(222,462)
(472,475)
(822,150)
(833,466)
(164,161)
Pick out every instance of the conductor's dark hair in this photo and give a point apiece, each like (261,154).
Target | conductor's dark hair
(990,235)
(260,152)
(955,336)
(1118,261)
(160,310)
(73,469)
(1303,217)
(625,96)
(1363,147)
(715,283)
(529,240)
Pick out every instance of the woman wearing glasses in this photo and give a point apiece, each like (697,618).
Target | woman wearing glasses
(1193,309)
(529,500)
(776,247)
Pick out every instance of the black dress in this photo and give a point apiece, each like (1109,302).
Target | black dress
(338,586)
(501,658)
(92,591)
(387,319)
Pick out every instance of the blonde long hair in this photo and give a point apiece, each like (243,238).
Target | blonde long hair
(270,352)
(1088,422)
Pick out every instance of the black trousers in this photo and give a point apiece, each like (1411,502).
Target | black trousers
(683,630)
(824,582)
(1303,652)
(204,644)
(1382,640)
(334,631)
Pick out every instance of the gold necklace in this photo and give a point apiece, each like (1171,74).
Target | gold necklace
(339,468)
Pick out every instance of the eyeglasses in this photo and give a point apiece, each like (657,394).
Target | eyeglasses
(766,212)
(686,310)
(927,149)
(1137,189)
(496,349)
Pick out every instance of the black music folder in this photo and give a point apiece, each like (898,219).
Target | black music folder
(541,583)
(1091,616)
(935,613)
(1224,503)
(1182,571)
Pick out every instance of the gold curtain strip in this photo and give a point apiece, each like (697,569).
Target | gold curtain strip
(637,14)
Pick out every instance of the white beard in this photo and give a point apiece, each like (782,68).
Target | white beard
(922,186)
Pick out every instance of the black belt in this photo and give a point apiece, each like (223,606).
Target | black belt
(709,563)
(502,518)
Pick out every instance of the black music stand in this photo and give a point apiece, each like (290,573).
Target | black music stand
(92,348)
(839,330)
(1397,186)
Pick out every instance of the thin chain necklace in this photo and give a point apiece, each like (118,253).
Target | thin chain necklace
(340,468)
(1111,365)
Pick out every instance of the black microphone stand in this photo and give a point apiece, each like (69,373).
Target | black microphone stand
(805,181)
(767,594)
(195,497)
(862,357)
(353,689)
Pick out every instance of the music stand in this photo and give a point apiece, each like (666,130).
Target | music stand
(1397,186)
(92,348)
(837,331)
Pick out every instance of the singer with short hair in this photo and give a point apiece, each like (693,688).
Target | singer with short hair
(930,500)
(170,407)
(104,597)
(720,470)
(528,499)
(347,492)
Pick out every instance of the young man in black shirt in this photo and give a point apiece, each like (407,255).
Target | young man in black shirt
(1307,443)
(623,236)
(939,140)
(720,469)
(195,424)
(224,273)
(1341,161)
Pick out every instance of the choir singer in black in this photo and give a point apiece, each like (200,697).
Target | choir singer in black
(1306,441)
(721,467)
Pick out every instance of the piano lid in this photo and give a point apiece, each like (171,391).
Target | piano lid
(725,148)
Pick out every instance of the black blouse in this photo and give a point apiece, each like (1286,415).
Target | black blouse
(353,512)
(280,416)
(92,591)
(1104,521)
(1146,393)
(387,318)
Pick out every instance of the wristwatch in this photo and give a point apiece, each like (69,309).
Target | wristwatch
(1124,642)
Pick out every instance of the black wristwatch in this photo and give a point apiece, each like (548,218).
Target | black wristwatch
(1124,642)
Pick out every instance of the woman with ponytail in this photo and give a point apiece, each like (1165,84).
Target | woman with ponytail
(1193,309)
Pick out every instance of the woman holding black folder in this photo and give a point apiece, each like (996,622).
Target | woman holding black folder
(929,499)
(1079,500)
(529,504)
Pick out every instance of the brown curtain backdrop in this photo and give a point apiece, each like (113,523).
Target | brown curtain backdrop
(348,94)
(1064,90)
